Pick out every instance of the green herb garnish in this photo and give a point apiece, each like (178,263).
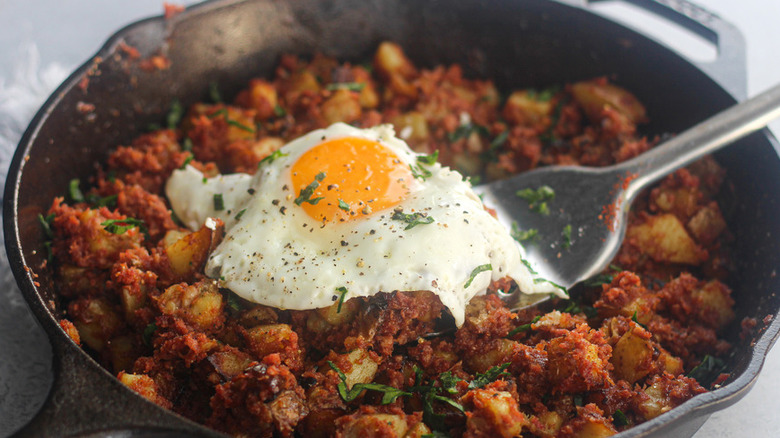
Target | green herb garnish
(106,201)
(619,418)
(272,157)
(343,205)
(465,130)
(490,376)
(148,332)
(351,86)
(342,293)
(420,172)
(390,394)
(175,114)
(187,161)
(708,370)
(219,202)
(412,220)
(477,270)
(279,111)
(214,94)
(537,199)
(523,235)
(566,236)
(120,226)
(308,191)
(46,224)
(186,145)
(233,301)
(524,327)
(74,193)
(428,160)
(240,213)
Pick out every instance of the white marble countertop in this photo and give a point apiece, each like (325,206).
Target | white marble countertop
(66,33)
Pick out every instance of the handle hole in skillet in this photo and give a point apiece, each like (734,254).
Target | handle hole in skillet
(686,42)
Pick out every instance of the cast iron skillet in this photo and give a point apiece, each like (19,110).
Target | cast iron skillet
(519,43)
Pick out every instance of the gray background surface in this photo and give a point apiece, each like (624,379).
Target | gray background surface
(66,32)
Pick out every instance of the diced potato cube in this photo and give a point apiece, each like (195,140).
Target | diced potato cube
(199,304)
(707,224)
(342,106)
(363,367)
(521,108)
(632,357)
(376,425)
(665,239)
(188,254)
(594,95)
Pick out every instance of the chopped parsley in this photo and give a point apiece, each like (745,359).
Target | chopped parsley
(343,205)
(556,285)
(566,236)
(572,307)
(537,199)
(240,213)
(412,220)
(308,191)
(524,327)
(523,235)
(120,226)
(224,113)
(74,193)
(219,202)
(175,114)
(428,160)
(279,111)
(342,293)
(187,161)
(490,376)
(390,394)
(105,201)
(233,301)
(214,93)
(351,86)
(603,278)
(499,140)
(420,172)
(476,271)
(272,157)
(708,370)
(148,332)
(46,222)
(465,130)
(619,418)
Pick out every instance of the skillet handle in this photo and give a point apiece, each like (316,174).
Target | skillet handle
(729,69)
(85,401)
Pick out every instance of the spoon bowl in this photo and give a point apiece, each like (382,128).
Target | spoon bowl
(576,216)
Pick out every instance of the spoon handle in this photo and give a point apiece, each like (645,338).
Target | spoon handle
(706,137)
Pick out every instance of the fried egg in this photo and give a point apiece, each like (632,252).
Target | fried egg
(352,212)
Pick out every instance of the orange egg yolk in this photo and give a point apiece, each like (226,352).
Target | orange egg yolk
(348,178)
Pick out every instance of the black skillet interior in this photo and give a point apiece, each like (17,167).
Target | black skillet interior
(531,43)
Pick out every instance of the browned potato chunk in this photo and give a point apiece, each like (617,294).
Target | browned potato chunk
(594,95)
(522,108)
(392,64)
(266,146)
(188,254)
(272,338)
(199,304)
(96,320)
(342,106)
(363,367)
(145,386)
(299,83)
(386,425)
(123,353)
(707,224)
(715,304)
(495,413)
(411,126)
(632,357)
(501,351)
(261,95)
(665,239)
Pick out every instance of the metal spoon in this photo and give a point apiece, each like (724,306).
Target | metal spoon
(593,203)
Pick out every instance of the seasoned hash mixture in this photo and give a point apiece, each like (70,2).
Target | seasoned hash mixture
(644,339)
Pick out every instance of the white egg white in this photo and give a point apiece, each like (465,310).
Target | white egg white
(277,255)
